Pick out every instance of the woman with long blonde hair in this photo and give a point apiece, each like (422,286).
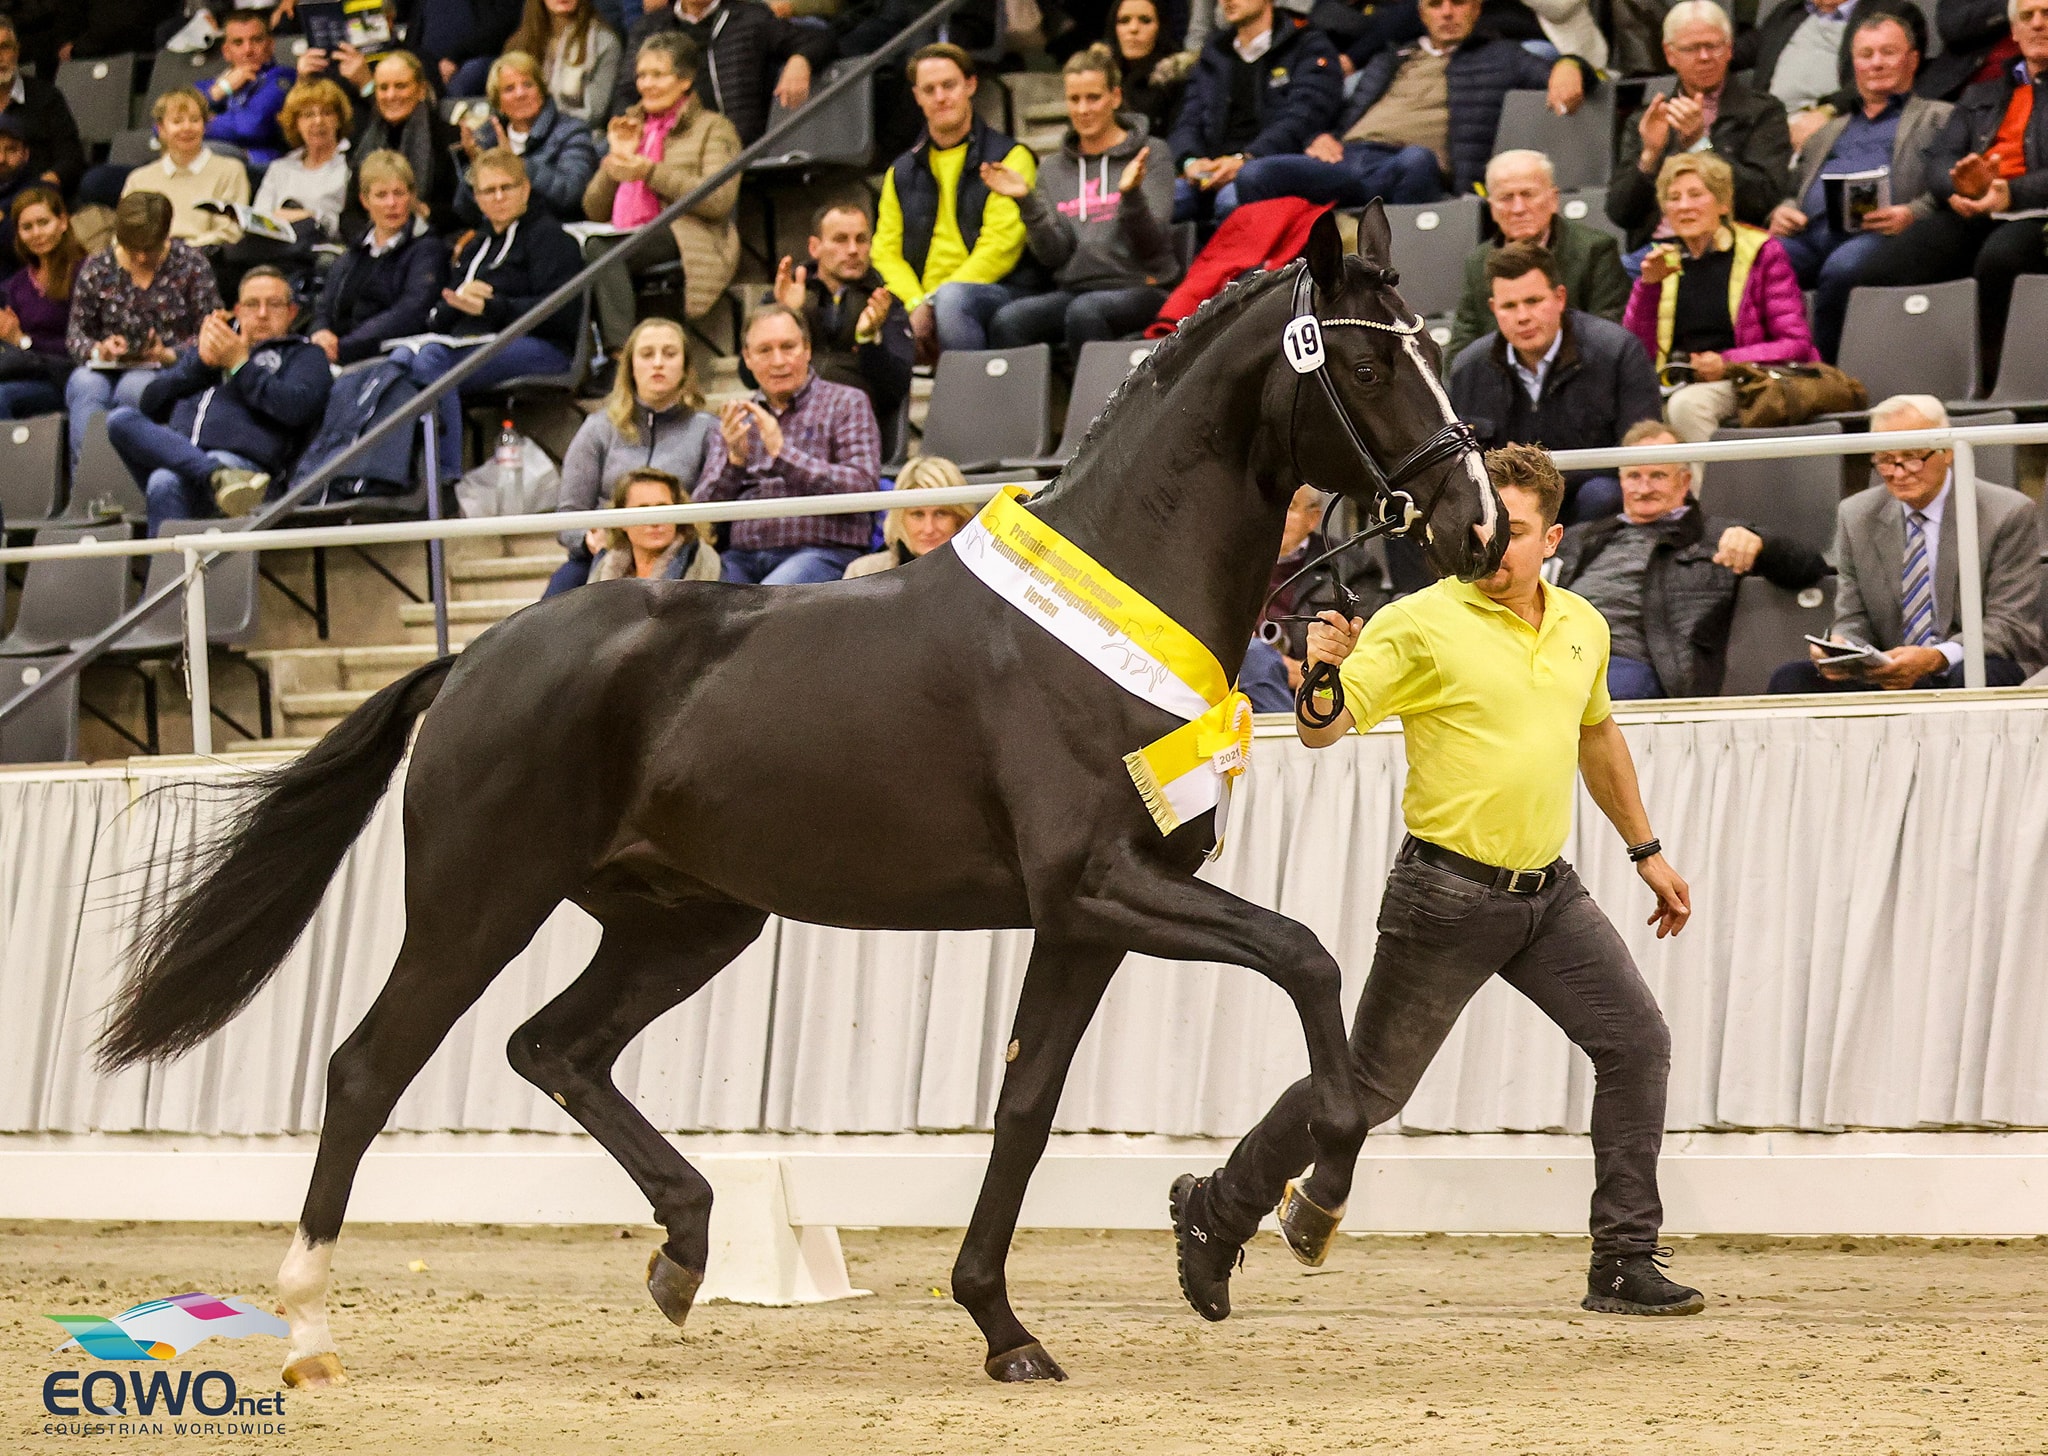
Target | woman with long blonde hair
(908,532)
(579,54)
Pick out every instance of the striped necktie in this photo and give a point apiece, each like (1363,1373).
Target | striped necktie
(1917,587)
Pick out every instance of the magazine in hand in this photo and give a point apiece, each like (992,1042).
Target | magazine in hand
(417,342)
(1852,196)
(1858,659)
(254,224)
(325,25)
(369,29)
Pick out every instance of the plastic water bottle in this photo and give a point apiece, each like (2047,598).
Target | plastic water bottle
(511,462)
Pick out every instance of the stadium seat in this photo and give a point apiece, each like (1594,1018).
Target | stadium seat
(102,486)
(1102,366)
(1431,240)
(230,620)
(97,92)
(1770,628)
(2023,363)
(1589,206)
(1918,340)
(171,69)
(47,730)
(64,603)
(1580,146)
(136,146)
(990,405)
(32,485)
(1998,463)
(841,134)
(1794,498)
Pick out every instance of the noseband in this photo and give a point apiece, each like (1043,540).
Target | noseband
(1395,509)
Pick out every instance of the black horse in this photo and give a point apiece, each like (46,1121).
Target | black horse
(684,760)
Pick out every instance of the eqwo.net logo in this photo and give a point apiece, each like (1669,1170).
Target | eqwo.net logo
(156,1331)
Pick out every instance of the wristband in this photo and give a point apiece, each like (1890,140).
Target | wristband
(1637,853)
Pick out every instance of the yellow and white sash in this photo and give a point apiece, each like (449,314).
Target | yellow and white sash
(1115,630)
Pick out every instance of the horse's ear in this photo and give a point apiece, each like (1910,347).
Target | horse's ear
(1325,254)
(1375,238)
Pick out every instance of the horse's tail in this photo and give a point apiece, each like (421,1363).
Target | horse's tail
(200,958)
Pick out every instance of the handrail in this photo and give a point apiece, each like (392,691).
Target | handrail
(428,398)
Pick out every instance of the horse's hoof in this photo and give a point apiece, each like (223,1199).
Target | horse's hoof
(1026,1362)
(674,1288)
(315,1372)
(1307,1228)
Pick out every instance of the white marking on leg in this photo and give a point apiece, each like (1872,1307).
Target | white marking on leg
(302,1281)
(1473,467)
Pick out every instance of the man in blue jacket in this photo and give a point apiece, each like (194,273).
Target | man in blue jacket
(239,403)
(247,97)
(1261,89)
(1421,119)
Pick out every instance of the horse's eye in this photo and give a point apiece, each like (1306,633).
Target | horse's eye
(1365,374)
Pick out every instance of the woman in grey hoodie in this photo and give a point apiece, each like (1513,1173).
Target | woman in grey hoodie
(653,418)
(1098,219)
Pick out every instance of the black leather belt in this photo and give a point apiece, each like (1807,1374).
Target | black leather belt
(1514,882)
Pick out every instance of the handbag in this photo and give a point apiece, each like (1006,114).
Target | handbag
(1769,395)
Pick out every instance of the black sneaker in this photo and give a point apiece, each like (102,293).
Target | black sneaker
(1635,1284)
(1203,1256)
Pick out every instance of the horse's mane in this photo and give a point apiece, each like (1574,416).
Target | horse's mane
(1178,351)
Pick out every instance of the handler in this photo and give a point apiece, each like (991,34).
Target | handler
(1501,688)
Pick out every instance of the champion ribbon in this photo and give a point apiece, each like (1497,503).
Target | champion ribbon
(1117,631)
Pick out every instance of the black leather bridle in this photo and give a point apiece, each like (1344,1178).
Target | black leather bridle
(1395,511)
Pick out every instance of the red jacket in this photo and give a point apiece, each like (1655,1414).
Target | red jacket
(1258,235)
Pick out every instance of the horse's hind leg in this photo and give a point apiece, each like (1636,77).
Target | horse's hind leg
(1062,987)
(651,958)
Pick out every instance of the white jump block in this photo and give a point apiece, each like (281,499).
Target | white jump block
(756,1256)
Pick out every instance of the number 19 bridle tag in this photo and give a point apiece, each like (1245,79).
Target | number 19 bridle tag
(1302,342)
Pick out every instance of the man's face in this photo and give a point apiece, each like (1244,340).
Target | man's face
(2031,31)
(264,309)
(778,355)
(1885,61)
(1529,311)
(1700,53)
(1449,22)
(842,246)
(1915,477)
(10,59)
(1530,544)
(946,97)
(247,45)
(13,157)
(1240,14)
(1523,202)
(1651,491)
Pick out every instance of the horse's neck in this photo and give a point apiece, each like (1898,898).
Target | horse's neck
(1169,495)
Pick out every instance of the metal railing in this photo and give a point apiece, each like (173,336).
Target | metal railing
(421,405)
(199,550)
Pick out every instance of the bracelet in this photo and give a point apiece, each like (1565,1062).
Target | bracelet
(1637,853)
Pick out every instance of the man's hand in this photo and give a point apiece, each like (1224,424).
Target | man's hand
(1655,131)
(1888,221)
(1134,171)
(1325,148)
(1709,367)
(220,347)
(1567,89)
(329,344)
(1004,181)
(448,69)
(1688,121)
(228,82)
(789,284)
(1674,897)
(353,65)
(770,429)
(737,426)
(1908,665)
(1832,674)
(1331,638)
(868,328)
(793,89)
(312,61)
(1997,198)
(924,332)
(1803,124)
(1659,264)
(1737,550)
(1785,220)
(596,541)
(1222,172)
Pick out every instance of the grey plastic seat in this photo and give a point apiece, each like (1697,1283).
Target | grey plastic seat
(1104,364)
(1588,205)
(46,731)
(102,488)
(97,92)
(1998,463)
(1580,146)
(1769,629)
(1431,240)
(32,480)
(1918,340)
(66,603)
(841,134)
(231,610)
(1795,498)
(2023,363)
(990,405)
(134,146)
(171,69)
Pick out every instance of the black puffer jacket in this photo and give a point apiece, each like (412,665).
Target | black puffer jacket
(1688,600)
(1302,92)
(530,259)
(745,47)
(1973,126)
(1749,134)
(367,299)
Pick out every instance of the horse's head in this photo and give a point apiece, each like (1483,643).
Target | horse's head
(1368,416)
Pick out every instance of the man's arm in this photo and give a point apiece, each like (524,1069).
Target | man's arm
(1762,164)
(2012,577)
(1610,775)
(1001,240)
(856,455)
(1314,96)
(887,361)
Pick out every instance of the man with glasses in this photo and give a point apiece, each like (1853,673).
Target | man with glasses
(235,408)
(55,154)
(1896,584)
(1708,111)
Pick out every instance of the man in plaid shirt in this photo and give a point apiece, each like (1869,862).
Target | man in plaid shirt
(798,435)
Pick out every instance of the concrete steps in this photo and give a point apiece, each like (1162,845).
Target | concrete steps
(314,688)
(468,619)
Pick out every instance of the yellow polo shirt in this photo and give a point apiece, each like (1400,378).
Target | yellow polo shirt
(1490,708)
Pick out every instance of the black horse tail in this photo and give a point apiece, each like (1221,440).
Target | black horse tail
(199,959)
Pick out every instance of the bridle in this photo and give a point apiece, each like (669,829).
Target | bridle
(1395,511)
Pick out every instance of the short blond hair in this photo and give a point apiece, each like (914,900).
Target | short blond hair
(1530,468)
(925,472)
(384,165)
(171,100)
(502,160)
(518,61)
(1714,174)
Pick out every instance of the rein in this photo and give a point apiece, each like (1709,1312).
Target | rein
(1396,511)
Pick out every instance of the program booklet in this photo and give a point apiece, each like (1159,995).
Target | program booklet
(254,224)
(369,29)
(416,342)
(1852,196)
(325,25)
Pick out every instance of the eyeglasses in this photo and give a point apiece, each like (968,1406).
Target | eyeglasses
(503,189)
(1887,461)
(1702,49)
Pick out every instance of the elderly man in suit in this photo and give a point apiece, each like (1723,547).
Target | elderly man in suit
(1895,552)
(1889,128)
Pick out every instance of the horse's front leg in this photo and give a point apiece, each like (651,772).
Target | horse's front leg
(1062,987)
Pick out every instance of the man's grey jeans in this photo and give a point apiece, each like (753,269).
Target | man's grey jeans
(1441,937)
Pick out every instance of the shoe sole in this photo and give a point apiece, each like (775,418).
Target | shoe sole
(1606,1304)
(241,500)
(1176,1209)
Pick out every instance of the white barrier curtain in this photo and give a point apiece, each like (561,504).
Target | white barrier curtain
(1866,952)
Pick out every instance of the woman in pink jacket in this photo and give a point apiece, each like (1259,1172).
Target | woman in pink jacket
(1721,293)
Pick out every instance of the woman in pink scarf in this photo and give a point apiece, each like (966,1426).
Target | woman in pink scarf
(660,150)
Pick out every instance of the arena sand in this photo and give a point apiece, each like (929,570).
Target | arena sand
(542,1341)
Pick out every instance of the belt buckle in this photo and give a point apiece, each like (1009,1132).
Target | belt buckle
(1515,881)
